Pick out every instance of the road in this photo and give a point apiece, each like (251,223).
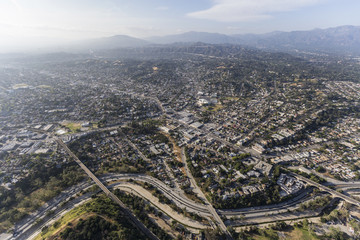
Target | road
(158,102)
(256,155)
(27,227)
(179,199)
(32,232)
(223,141)
(268,208)
(329,181)
(219,222)
(329,190)
(127,212)
(253,215)
(347,186)
(183,201)
(143,193)
(191,206)
(167,169)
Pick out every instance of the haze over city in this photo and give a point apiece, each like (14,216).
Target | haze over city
(170,119)
(40,22)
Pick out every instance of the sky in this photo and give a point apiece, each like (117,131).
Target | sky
(39,22)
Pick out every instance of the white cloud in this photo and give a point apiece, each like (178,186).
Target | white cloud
(249,10)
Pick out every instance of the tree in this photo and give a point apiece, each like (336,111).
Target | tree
(276,171)
(336,234)
(320,169)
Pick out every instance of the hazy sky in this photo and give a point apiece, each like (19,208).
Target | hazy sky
(40,21)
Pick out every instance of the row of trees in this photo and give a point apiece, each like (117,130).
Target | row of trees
(268,196)
(109,222)
(94,227)
(140,209)
(43,183)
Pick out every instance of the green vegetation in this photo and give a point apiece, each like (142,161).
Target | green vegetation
(123,165)
(163,199)
(140,209)
(241,156)
(215,234)
(356,226)
(311,176)
(160,138)
(302,234)
(110,162)
(280,230)
(214,108)
(269,196)
(336,215)
(320,169)
(73,127)
(92,228)
(44,182)
(100,218)
(336,234)
(148,126)
(67,220)
(316,204)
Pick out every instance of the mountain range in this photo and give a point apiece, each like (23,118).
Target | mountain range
(343,40)
(340,40)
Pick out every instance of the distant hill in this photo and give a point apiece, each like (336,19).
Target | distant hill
(118,41)
(338,40)
(344,40)
(192,50)
(205,37)
(341,40)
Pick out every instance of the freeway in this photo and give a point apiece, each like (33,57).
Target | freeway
(191,206)
(329,190)
(145,194)
(266,209)
(167,169)
(27,227)
(254,215)
(219,222)
(34,229)
(352,191)
(69,198)
(134,220)
(204,210)
(337,184)
(347,186)
(179,199)
(256,155)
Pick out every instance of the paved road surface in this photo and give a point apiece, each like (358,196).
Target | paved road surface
(143,193)
(135,221)
(219,222)
(329,190)
(27,228)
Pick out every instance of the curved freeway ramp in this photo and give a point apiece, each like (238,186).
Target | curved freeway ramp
(138,190)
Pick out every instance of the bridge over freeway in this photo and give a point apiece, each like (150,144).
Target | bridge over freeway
(133,219)
(329,190)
